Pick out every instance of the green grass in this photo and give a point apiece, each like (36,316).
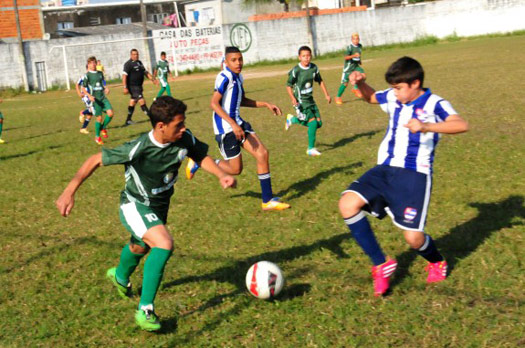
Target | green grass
(54,293)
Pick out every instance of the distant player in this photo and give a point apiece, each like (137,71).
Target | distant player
(100,67)
(401,183)
(300,87)
(352,63)
(132,79)
(94,86)
(233,133)
(152,163)
(162,72)
(87,113)
(1,125)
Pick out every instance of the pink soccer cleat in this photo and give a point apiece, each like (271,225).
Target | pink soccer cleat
(381,275)
(437,271)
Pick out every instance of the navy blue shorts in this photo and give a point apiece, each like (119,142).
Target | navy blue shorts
(229,146)
(401,193)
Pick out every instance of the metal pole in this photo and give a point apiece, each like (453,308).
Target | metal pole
(174,57)
(145,34)
(65,66)
(21,54)
(309,29)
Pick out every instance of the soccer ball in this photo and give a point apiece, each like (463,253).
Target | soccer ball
(264,280)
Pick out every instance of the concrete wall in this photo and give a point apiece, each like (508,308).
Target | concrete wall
(271,40)
(112,54)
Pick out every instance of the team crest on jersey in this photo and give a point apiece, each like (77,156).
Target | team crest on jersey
(422,115)
(168,178)
(97,84)
(182,155)
(307,85)
(410,213)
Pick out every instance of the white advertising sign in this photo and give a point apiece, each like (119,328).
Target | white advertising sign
(191,47)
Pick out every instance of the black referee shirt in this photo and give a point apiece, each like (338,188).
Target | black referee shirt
(135,71)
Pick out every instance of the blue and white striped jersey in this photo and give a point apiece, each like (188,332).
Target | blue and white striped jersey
(399,147)
(229,85)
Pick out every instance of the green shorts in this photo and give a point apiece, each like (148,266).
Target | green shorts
(344,78)
(310,112)
(138,218)
(101,105)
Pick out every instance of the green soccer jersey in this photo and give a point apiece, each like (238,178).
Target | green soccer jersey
(95,83)
(163,69)
(301,79)
(353,63)
(152,167)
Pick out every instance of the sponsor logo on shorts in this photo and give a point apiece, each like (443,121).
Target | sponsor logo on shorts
(410,213)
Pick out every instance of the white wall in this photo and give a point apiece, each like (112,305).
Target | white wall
(274,40)
(278,39)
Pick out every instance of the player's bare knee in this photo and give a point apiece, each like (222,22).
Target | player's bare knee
(350,204)
(262,155)
(137,249)
(414,238)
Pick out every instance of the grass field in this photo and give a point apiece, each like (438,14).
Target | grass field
(52,269)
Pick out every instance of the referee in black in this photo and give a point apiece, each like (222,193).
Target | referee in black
(132,79)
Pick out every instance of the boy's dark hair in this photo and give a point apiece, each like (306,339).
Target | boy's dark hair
(162,53)
(405,70)
(92,59)
(231,49)
(133,50)
(304,48)
(164,109)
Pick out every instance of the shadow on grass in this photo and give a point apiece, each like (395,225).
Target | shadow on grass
(55,250)
(230,274)
(464,239)
(346,141)
(302,187)
(13,128)
(3,158)
(38,136)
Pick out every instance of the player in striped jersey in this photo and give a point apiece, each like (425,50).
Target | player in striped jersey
(87,113)
(233,133)
(400,184)
(151,162)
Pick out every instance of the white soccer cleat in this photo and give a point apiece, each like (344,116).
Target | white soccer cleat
(313,152)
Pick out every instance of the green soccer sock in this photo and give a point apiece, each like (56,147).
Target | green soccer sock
(128,262)
(341,90)
(161,91)
(153,271)
(98,125)
(355,87)
(295,120)
(107,120)
(312,130)
(1,126)
(168,90)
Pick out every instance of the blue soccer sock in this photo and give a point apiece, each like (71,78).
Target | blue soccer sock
(86,122)
(429,250)
(362,232)
(266,187)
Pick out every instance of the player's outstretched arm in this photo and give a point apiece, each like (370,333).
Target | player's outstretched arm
(454,124)
(209,165)
(359,78)
(325,91)
(250,103)
(152,78)
(66,201)
(292,97)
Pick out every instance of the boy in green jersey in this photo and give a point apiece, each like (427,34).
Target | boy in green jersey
(352,63)
(163,73)
(151,165)
(300,89)
(94,86)
(1,125)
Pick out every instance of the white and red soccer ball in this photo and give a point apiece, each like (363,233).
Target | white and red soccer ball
(264,280)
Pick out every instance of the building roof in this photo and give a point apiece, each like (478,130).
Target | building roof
(94,4)
(110,29)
